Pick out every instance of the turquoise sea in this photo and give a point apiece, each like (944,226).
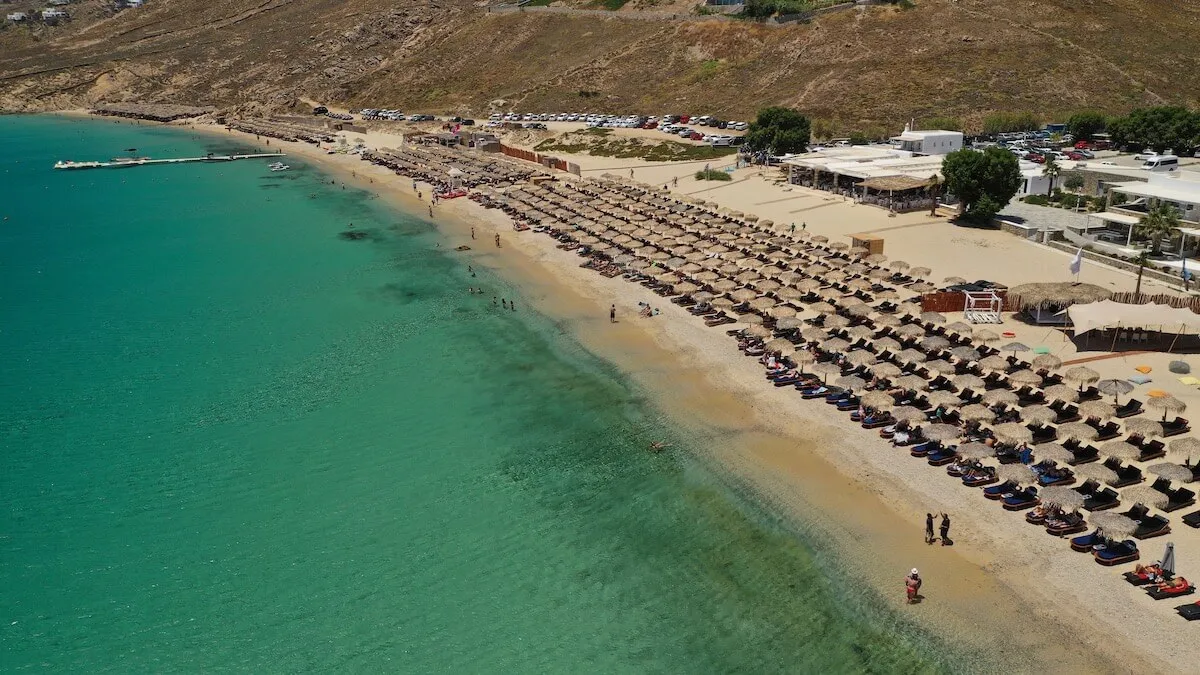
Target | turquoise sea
(234,441)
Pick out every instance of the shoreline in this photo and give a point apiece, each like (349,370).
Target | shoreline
(803,460)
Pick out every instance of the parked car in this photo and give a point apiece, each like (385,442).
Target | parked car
(468,123)
(535,125)
(695,136)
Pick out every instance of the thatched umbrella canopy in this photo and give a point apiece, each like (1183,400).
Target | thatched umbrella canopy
(985,336)
(911,356)
(934,343)
(920,272)
(1185,447)
(977,413)
(911,383)
(860,331)
(1054,452)
(1081,375)
(907,413)
(886,370)
(835,345)
(1012,432)
(1062,392)
(1047,361)
(758,330)
(1145,495)
(968,381)
(1167,404)
(1015,347)
(899,265)
(1146,428)
(1025,377)
(1097,472)
(993,362)
(878,400)
(814,334)
(860,357)
(1172,472)
(1101,410)
(1078,430)
(836,321)
(1017,473)
(960,328)
(909,330)
(1121,450)
(933,317)
(1000,396)
(1065,497)
(941,432)
(941,366)
(1115,388)
(751,319)
(886,343)
(1114,524)
(963,353)
(944,399)
(851,382)
(1038,414)
(826,369)
(1028,296)
(976,450)
(780,345)
(782,312)
(722,303)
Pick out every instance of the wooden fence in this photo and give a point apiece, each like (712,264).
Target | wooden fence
(1129,298)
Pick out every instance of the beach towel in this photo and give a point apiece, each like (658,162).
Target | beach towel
(1140,379)
(1189,380)
(1143,369)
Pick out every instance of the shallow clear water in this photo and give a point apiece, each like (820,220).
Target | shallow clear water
(235,441)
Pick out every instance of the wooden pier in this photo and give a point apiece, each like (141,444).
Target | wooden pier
(142,161)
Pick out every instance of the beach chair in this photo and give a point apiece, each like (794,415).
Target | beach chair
(1129,408)
(1152,526)
(1088,542)
(1067,524)
(1082,455)
(1019,501)
(1042,434)
(1089,394)
(941,456)
(1191,612)
(1162,594)
(1102,500)
(1126,475)
(1179,498)
(1107,431)
(1175,427)
(1087,488)
(1117,553)
(1068,413)
(1192,519)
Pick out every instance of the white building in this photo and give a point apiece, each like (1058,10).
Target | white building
(1180,189)
(932,142)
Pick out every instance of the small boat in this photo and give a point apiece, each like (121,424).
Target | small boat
(76,165)
(278,166)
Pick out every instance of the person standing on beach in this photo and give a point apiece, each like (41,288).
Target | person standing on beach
(472,233)
(945,530)
(675,181)
(912,586)
(929,528)
(612,314)
(793,228)
(631,173)
(497,240)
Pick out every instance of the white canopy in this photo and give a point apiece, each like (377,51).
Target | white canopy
(1109,314)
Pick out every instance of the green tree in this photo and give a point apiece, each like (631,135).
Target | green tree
(1160,128)
(1083,125)
(984,181)
(1051,170)
(1002,122)
(1073,182)
(1158,223)
(779,131)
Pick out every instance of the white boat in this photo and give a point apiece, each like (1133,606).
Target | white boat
(278,166)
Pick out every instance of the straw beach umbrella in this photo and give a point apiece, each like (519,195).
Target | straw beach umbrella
(1167,404)
(1143,427)
(993,362)
(964,353)
(1146,496)
(851,382)
(1054,452)
(1078,430)
(941,432)
(825,370)
(1115,388)
(1184,447)
(977,413)
(1038,414)
(1121,450)
(1065,497)
(860,357)
(1097,472)
(1062,392)
(975,450)
(1172,472)
(1047,361)
(907,413)
(968,381)
(1001,396)
(985,336)
(944,399)
(886,370)
(1014,433)
(1081,375)
(878,400)
(934,343)
(1017,473)
(1114,525)
(1025,377)
(1100,410)
(911,383)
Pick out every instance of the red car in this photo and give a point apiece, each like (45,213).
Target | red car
(696,136)
(683,119)
(1083,145)
(650,125)
(1034,157)
(1075,156)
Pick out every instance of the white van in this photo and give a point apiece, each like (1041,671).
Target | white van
(1159,163)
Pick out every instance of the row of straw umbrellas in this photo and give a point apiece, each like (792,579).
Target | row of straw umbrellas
(733,259)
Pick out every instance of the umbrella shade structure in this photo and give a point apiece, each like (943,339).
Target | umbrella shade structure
(722,303)
(944,399)
(744,295)
(860,357)
(1167,561)
(758,330)
(1078,430)
(960,327)
(941,432)
(886,370)
(1014,347)
(965,353)
(993,362)
(985,336)
(907,413)
(1167,404)
(814,334)
(909,330)
(751,319)
(836,321)
(1062,392)
(886,343)
(860,331)
(1025,377)
(835,346)
(1038,414)
(780,345)
(1012,432)
(933,317)
(1097,472)
(783,312)
(977,413)
(1017,473)
(1114,388)
(1113,524)
(851,382)
(911,383)
(788,323)
(1065,497)
(1172,472)
(1121,450)
(1101,410)
(878,400)
(804,358)
(1047,361)
(911,356)
(968,381)
(1143,427)
(1185,447)
(1081,375)
(976,450)
(1054,452)
(1145,495)
(826,369)
(1001,396)
(940,366)
(934,343)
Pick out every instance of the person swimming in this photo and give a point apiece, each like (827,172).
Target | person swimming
(659,446)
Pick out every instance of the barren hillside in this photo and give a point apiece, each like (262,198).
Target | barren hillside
(866,67)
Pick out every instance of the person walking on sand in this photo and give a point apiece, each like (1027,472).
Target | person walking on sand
(945,530)
(430,211)
(472,233)
(793,228)
(912,586)
(675,181)
(497,240)
(928,528)
(631,173)
(612,314)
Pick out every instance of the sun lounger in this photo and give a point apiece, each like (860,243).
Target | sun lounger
(1180,498)
(1019,501)
(1129,408)
(1152,526)
(1150,575)
(1044,434)
(1089,394)
(1083,455)
(816,392)
(1192,519)
(1108,431)
(1126,475)
(1162,594)
(979,479)
(847,404)
(1117,554)
(1068,414)
(941,457)
(1102,501)
(878,421)
(1067,478)
(1175,427)
(1136,512)
(1031,398)
(1191,612)
(1067,524)
(1087,488)
(1088,542)
(923,449)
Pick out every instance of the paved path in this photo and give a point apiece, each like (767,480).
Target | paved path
(1042,216)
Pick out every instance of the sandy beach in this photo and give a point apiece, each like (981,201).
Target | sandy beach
(1005,588)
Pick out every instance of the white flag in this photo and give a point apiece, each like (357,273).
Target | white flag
(1077,263)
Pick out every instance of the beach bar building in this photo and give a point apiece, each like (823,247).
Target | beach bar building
(1115,229)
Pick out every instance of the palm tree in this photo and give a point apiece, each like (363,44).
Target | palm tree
(1051,169)
(1141,260)
(1159,222)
